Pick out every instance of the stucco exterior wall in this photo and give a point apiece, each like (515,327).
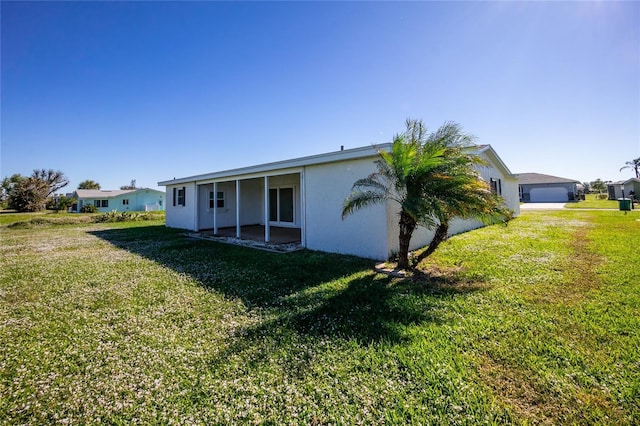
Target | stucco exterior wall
(510,194)
(183,217)
(423,236)
(251,202)
(363,233)
(508,186)
(140,199)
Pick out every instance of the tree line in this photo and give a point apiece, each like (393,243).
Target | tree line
(31,193)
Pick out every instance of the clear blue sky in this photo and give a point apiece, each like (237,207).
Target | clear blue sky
(116,91)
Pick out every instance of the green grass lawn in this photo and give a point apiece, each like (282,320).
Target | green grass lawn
(591,202)
(534,323)
(7,217)
(50,217)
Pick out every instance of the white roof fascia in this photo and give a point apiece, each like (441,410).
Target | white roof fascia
(280,167)
(277,172)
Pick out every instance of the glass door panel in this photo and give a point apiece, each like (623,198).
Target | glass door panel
(286,205)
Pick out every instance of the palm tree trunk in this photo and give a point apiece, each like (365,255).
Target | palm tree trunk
(407,226)
(442,233)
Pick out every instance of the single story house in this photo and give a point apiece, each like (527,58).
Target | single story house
(302,199)
(143,199)
(630,185)
(539,188)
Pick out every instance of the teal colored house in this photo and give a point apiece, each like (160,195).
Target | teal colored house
(133,200)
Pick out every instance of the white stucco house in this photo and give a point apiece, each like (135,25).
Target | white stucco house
(304,197)
(630,187)
(143,199)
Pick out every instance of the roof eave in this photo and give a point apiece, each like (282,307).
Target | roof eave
(335,156)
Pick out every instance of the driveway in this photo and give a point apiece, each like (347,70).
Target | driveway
(542,206)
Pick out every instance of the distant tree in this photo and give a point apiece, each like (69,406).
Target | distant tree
(88,184)
(587,187)
(633,165)
(7,185)
(132,185)
(59,202)
(63,203)
(54,179)
(30,194)
(598,186)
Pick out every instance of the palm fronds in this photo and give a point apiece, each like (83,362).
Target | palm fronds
(433,178)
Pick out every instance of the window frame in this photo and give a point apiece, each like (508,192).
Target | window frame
(180,196)
(495,185)
(278,205)
(220,198)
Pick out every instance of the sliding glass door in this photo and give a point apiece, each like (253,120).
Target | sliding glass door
(281,205)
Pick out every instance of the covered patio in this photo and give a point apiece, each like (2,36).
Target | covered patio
(265,208)
(278,234)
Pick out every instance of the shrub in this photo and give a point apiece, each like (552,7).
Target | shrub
(115,216)
(44,221)
(88,208)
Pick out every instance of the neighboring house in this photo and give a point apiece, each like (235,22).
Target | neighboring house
(304,197)
(121,200)
(539,188)
(630,185)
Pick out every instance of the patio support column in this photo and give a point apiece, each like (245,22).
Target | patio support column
(267,235)
(196,212)
(238,231)
(215,208)
(303,213)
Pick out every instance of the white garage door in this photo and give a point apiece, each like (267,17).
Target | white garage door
(549,195)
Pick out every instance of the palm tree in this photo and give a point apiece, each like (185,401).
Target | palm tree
(88,184)
(432,178)
(633,165)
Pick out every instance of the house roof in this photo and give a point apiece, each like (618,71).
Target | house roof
(538,178)
(106,193)
(330,157)
(624,182)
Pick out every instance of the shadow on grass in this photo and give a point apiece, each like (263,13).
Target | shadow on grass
(306,292)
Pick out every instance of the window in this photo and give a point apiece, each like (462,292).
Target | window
(496,186)
(179,196)
(125,201)
(101,203)
(218,202)
(281,204)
